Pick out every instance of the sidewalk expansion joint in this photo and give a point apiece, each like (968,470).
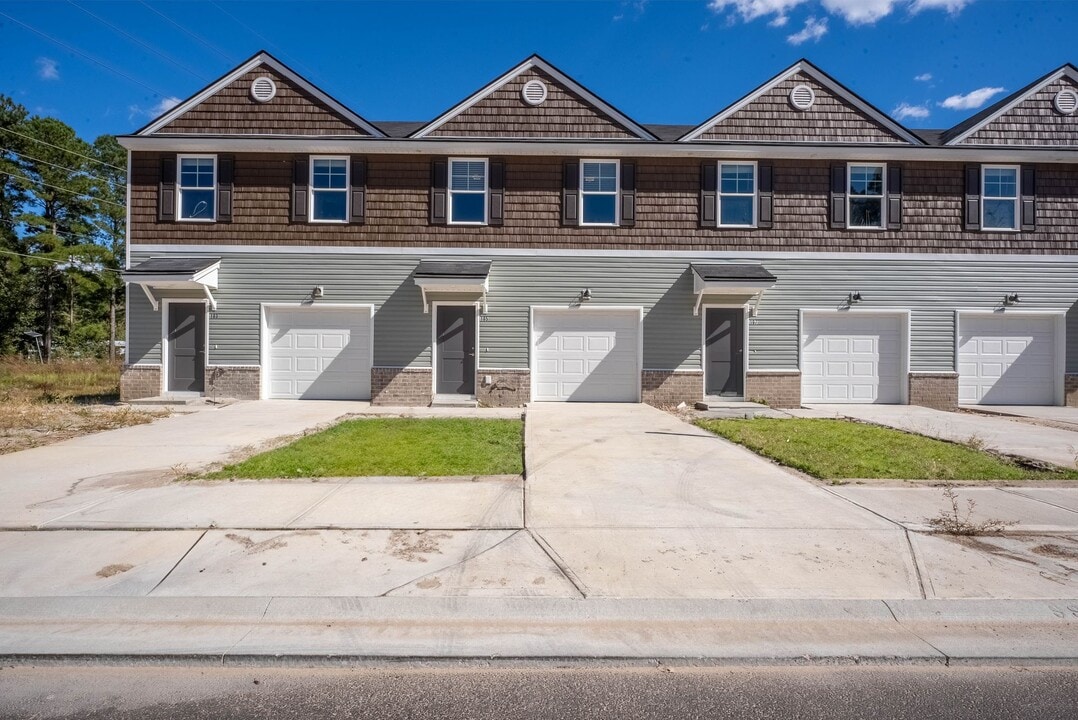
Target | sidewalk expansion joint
(1018,492)
(460,562)
(336,489)
(177,564)
(555,558)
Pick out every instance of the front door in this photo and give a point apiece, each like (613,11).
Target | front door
(455,336)
(186,347)
(724,335)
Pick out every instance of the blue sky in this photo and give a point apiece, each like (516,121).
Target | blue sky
(108,67)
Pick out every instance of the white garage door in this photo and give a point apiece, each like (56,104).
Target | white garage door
(1007,360)
(319,353)
(586,355)
(852,358)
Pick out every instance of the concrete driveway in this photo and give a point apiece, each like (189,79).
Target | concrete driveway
(1004,434)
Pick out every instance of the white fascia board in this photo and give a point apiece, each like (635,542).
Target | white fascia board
(255,62)
(534,62)
(598,149)
(1061,73)
(823,79)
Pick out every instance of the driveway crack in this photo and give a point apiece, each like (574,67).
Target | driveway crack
(453,565)
(182,558)
(946,657)
(555,558)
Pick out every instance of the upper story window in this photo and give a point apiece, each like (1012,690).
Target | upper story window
(468,191)
(197,186)
(599,192)
(737,194)
(329,189)
(1000,197)
(866,196)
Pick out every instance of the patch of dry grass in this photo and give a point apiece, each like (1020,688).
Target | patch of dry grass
(42,404)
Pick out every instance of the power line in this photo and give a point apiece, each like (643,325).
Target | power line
(54,260)
(74,236)
(87,56)
(61,167)
(306,70)
(189,33)
(57,187)
(145,45)
(72,152)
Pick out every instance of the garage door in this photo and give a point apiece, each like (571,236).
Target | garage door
(319,353)
(1007,360)
(852,358)
(586,355)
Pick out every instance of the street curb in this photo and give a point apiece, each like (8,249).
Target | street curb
(295,629)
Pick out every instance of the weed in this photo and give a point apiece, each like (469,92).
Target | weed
(975,441)
(958,522)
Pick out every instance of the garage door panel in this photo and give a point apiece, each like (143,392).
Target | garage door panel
(319,353)
(586,355)
(1007,360)
(852,358)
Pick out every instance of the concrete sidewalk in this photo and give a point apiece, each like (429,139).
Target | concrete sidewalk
(999,433)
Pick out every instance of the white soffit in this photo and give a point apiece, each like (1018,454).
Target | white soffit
(536,62)
(262,59)
(807,68)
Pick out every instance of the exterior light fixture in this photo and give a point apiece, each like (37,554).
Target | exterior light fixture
(1011,299)
(318,292)
(585,294)
(853,298)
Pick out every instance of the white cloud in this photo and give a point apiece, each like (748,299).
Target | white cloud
(779,21)
(163,106)
(814,30)
(48,69)
(951,6)
(971,100)
(750,10)
(905,111)
(923,77)
(860,12)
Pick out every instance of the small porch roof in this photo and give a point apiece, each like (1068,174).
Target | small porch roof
(730,279)
(452,276)
(175,273)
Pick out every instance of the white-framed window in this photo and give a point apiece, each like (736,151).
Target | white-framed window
(599,192)
(196,188)
(999,197)
(468,185)
(329,189)
(737,194)
(866,190)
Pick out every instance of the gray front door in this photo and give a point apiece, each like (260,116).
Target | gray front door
(724,340)
(186,347)
(455,332)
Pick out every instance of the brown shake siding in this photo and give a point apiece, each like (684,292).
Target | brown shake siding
(234,111)
(1033,121)
(771,118)
(667,207)
(504,113)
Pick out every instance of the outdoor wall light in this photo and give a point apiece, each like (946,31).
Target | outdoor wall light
(318,292)
(853,298)
(1011,299)
(585,294)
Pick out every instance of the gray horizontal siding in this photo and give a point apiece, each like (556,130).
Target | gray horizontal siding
(931,289)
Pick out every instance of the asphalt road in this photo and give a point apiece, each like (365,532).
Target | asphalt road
(571,690)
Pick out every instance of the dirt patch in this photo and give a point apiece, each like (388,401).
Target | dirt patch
(412,545)
(25,424)
(1056,551)
(114,569)
(274,543)
(429,584)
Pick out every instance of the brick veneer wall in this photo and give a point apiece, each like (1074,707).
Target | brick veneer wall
(777,389)
(934,390)
(400,386)
(507,388)
(1070,391)
(140,381)
(666,387)
(228,381)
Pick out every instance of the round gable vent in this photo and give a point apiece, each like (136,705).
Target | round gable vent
(1066,102)
(802,97)
(263,89)
(534,92)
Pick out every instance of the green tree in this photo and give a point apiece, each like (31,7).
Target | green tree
(15,276)
(110,220)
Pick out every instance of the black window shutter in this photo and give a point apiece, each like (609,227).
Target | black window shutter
(628,194)
(166,192)
(973,197)
(894,197)
(225,168)
(357,210)
(709,195)
(439,194)
(496,216)
(838,196)
(300,178)
(570,194)
(1029,198)
(766,208)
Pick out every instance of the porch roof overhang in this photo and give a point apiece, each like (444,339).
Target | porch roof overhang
(452,276)
(175,273)
(730,279)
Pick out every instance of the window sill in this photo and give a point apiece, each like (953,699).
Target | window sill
(196,220)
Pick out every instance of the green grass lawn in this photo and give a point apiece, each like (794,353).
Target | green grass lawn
(841,449)
(394,447)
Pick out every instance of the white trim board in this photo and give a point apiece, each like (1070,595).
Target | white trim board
(539,63)
(486,253)
(263,58)
(832,85)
